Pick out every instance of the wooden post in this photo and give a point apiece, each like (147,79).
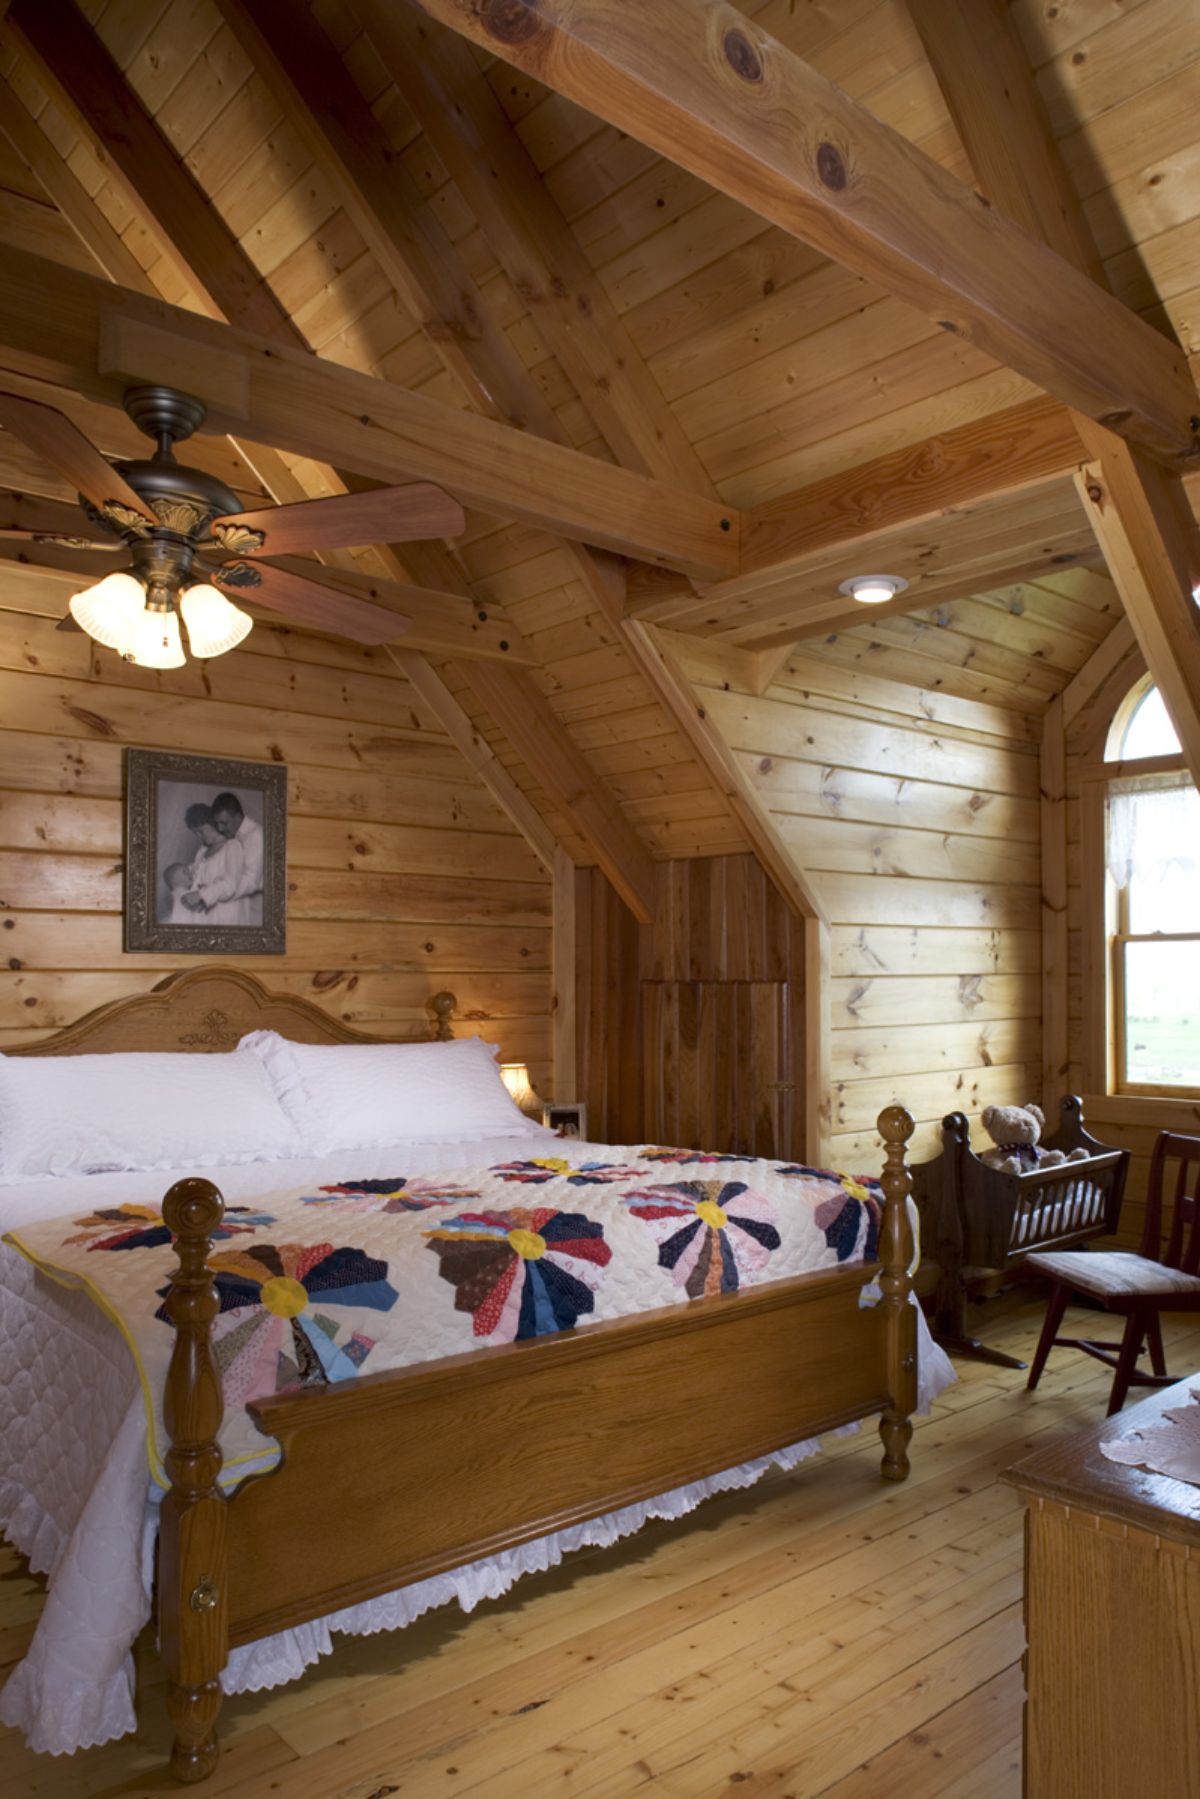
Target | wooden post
(895,1126)
(443,1006)
(193,1603)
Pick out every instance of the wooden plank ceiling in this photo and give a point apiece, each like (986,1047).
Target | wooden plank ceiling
(355,179)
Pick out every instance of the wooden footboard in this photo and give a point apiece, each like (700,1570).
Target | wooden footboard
(399,1475)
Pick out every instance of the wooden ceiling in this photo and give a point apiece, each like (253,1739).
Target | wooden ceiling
(689,341)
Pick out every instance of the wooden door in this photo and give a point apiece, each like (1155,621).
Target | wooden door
(719,1066)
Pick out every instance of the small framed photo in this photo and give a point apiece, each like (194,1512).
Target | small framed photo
(568,1119)
(205,855)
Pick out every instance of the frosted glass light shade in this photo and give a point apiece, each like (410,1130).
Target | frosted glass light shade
(515,1076)
(109,611)
(214,624)
(873,590)
(156,641)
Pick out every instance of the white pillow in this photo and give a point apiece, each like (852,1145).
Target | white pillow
(100,1114)
(364,1095)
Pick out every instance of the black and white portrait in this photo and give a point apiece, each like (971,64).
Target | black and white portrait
(206,854)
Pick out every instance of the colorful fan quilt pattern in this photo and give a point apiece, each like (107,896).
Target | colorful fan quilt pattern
(576,1174)
(521,1272)
(656,1152)
(142,1227)
(428,1265)
(712,1235)
(399,1193)
(274,1328)
(840,1216)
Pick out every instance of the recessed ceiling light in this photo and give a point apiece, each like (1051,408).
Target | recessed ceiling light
(873,590)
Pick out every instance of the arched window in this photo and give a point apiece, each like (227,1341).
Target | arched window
(1152,903)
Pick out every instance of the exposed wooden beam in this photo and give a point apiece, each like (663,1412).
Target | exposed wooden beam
(704,86)
(1052,809)
(478,753)
(1138,510)
(1007,452)
(565,953)
(79,73)
(295,59)
(985,77)
(68,193)
(50,330)
(1145,528)
(447,92)
(1087,681)
(714,754)
(525,718)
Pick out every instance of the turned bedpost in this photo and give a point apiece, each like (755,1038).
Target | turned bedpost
(443,1005)
(193,1608)
(899,1314)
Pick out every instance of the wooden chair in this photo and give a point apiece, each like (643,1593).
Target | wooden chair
(1163,1277)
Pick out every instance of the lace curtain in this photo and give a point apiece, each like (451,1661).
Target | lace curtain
(1154,828)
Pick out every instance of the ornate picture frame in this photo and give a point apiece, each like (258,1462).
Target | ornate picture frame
(205,855)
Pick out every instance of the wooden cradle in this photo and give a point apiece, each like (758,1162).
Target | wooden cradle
(440,1458)
(977,1219)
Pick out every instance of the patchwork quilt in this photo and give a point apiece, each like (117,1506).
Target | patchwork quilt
(386,1272)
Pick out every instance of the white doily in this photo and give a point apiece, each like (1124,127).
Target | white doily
(1171,1446)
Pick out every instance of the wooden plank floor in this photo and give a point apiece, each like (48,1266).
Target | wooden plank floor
(819,1634)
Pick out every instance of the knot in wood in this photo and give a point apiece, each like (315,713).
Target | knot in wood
(510,21)
(831,167)
(741,55)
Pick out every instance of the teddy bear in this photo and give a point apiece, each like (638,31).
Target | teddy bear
(1016,1132)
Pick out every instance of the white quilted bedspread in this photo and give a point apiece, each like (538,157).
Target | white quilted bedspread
(532,1240)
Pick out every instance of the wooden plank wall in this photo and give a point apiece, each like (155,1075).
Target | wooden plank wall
(915,818)
(691,1029)
(404,877)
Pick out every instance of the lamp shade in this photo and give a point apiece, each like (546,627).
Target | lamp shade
(214,624)
(109,611)
(155,641)
(515,1076)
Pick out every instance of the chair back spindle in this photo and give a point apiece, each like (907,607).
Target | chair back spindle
(1180,1226)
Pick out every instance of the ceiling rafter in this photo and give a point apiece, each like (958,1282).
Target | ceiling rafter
(1138,510)
(443,86)
(707,88)
(320,100)
(516,704)
(50,325)
(310,83)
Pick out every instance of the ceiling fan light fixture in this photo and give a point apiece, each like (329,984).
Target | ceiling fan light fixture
(155,641)
(109,611)
(873,590)
(214,624)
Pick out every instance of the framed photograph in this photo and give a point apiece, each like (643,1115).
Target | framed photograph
(205,855)
(569,1119)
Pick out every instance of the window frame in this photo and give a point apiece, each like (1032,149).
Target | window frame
(1106,914)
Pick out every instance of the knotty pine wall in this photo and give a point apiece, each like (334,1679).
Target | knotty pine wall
(404,877)
(914,815)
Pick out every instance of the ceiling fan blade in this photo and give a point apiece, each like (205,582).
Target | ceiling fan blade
(309,602)
(67,623)
(52,435)
(345,520)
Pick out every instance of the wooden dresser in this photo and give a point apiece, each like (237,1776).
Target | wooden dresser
(1112,1620)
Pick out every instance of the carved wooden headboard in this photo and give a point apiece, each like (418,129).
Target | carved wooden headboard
(210,1008)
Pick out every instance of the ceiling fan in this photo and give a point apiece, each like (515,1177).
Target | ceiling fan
(189,545)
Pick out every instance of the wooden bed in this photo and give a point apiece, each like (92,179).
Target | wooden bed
(438,1458)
